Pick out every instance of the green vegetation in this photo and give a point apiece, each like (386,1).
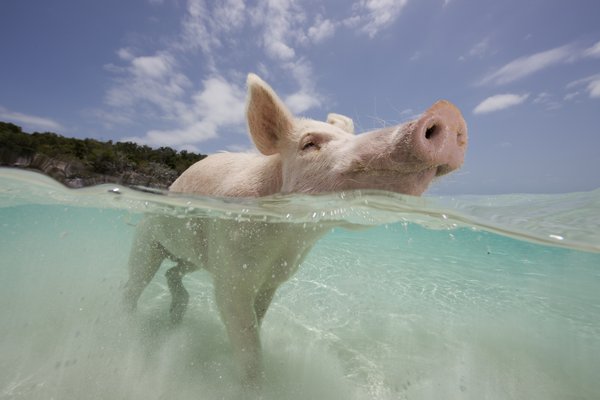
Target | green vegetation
(92,157)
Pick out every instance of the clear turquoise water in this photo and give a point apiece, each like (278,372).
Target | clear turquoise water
(441,298)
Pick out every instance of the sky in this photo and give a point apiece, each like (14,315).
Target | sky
(526,75)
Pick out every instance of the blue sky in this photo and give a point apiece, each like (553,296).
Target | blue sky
(526,74)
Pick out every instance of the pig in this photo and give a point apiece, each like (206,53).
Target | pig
(249,260)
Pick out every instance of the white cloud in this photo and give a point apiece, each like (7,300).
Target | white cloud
(307,96)
(321,30)
(178,138)
(548,101)
(221,102)
(151,80)
(278,49)
(30,121)
(218,105)
(152,66)
(125,54)
(481,48)
(301,101)
(371,16)
(593,51)
(525,66)
(499,102)
(591,85)
(570,96)
(583,81)
(594,89)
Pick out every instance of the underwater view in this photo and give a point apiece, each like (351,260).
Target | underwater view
(468,297)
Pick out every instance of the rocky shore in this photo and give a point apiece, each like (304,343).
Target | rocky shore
(75,175)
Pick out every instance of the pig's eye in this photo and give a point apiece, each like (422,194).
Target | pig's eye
(309,144)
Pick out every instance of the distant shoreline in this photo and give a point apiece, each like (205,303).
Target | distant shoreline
(79,163)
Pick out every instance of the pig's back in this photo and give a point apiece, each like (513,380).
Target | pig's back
(231,175)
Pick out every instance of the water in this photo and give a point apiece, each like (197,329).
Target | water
(441,298)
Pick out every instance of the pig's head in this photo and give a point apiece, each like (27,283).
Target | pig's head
(319,157)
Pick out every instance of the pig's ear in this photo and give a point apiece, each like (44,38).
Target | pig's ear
(269,121)
(341,121)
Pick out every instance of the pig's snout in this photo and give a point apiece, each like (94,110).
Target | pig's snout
(439,137)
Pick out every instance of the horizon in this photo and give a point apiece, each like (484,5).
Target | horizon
(173,72)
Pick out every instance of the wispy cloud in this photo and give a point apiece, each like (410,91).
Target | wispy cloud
(415,57)
(499,102)
(590,84)
(593,51)
(481,48)
(528,65)
(30,121)
(372,16)
(571,95)
(594,89)
(548,101)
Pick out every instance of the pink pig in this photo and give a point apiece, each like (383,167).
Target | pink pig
(250,260)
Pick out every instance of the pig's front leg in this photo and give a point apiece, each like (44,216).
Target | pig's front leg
(236,305)
(262,302)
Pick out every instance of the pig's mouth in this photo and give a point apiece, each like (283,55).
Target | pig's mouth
(443,169)
(408,178)
(403,169)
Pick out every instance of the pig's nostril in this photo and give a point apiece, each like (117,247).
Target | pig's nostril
(460,138)
(432,131)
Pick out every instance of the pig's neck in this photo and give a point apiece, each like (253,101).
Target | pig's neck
(267,174)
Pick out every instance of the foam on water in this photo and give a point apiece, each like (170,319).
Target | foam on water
(441,298)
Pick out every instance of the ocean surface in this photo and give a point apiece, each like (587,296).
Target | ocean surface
(467,297)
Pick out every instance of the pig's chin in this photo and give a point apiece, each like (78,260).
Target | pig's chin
(412,183)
